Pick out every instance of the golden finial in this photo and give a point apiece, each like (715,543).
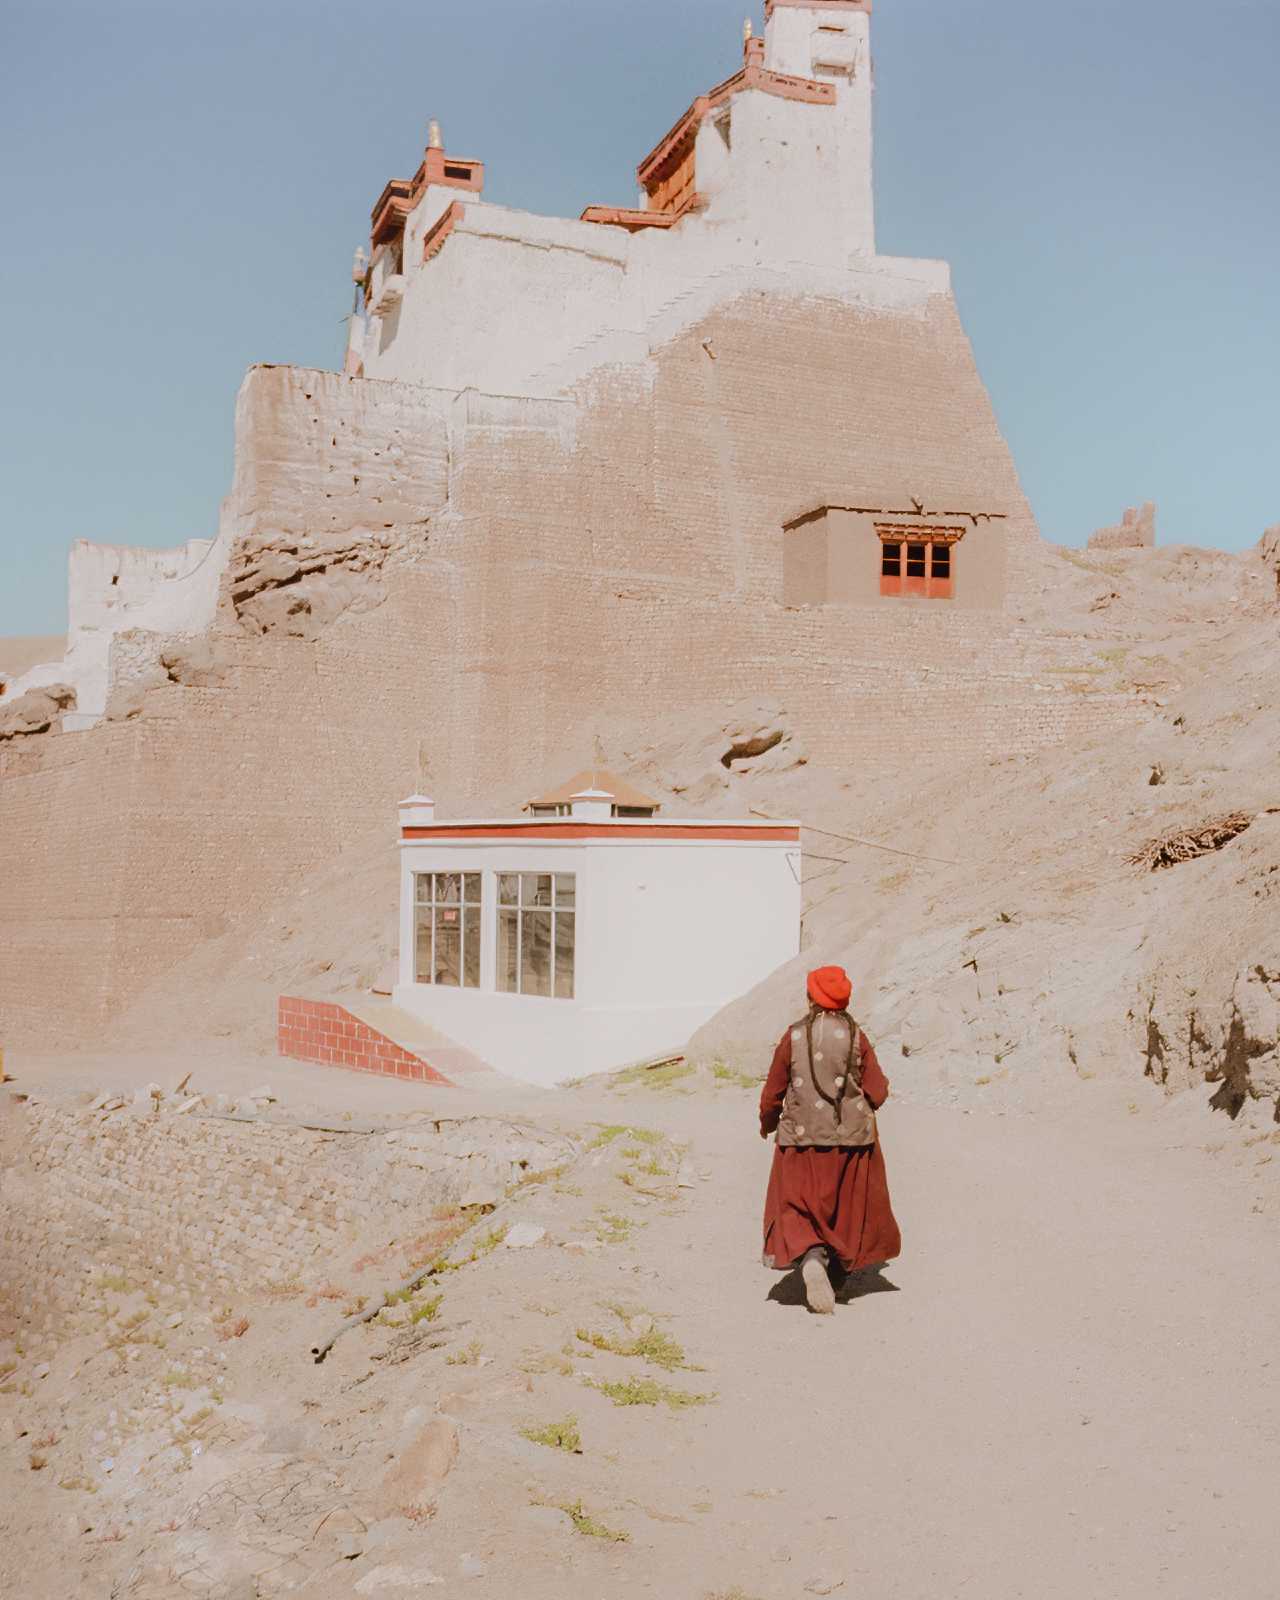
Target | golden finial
(747,31)
(435,139)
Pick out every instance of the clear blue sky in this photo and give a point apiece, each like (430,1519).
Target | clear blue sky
(184,182)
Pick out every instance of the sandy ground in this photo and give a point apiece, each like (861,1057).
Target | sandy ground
(1064,1387)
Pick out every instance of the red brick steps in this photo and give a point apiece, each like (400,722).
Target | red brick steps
(320,1030)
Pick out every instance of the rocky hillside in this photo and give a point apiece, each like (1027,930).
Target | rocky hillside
(1000,935)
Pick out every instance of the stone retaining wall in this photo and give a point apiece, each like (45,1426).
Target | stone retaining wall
(208,1204)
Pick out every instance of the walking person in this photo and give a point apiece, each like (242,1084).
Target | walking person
(827,1206)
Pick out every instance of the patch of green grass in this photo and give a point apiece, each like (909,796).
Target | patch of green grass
(607,1134)
(632,1181)
(584,1523)
(664,1076)
(613,1229)
(173,1379)
(722,1072)
(428,1311)
(611,1131)
(556,1436)
(657,1348)
(648,1392)
(467,1357)
(547,1175)
(539,1362)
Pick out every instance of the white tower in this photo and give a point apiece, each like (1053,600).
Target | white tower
(830,41)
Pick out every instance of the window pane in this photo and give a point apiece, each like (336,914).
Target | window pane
(537,888)
(508,889)
(915,561)
(535,952)
(941,561)
(508,951)
(448,947)
(566,884)
(448,887)
(891,560)
(564,954)
(471,948)
(422,890)
(471,888)
(422,944)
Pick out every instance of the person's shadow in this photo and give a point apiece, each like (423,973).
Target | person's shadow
(849,1286)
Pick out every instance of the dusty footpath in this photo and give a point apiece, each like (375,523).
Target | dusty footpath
(1065,1387)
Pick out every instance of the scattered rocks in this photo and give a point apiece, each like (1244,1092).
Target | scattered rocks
(36,711)
(387,1578)
(524,1235)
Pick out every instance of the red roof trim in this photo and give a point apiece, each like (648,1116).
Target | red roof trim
(667,152)
(572,828)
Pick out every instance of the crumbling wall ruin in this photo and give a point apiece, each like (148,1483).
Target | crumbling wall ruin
(1136,530)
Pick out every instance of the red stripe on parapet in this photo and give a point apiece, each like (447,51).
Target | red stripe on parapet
(596,830)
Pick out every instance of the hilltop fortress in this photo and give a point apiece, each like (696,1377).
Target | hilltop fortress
(635,466)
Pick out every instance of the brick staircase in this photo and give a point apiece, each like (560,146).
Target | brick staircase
(368,1034)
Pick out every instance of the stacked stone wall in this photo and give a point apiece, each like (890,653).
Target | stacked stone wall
(213,1205)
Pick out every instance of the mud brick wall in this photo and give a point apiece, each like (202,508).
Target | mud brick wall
(634,526)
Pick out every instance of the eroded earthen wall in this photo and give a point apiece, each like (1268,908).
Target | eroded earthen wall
(547,569)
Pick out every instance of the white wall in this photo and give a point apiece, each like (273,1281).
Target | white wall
(519,304)
(667,934)
(113,589)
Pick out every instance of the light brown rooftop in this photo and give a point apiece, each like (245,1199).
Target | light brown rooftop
(622,794)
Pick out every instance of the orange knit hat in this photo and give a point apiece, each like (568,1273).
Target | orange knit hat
(829,987)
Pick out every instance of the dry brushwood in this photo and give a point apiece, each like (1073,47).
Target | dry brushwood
(1185,844)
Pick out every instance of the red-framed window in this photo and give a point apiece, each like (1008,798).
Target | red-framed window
(916,565)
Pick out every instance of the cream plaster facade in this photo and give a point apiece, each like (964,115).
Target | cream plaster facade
(673,918)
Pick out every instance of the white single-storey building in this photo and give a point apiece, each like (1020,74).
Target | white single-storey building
(558,945)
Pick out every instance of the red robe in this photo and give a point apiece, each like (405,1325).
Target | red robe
(833,1197)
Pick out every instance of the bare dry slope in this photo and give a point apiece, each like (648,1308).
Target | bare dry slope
(1017,947)
(988,910)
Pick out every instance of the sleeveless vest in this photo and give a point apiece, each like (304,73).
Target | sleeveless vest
(824,1103)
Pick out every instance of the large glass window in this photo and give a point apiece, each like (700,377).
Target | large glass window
(537,917)
(447,928)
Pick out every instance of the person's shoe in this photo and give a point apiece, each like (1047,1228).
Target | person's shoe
(818,1293)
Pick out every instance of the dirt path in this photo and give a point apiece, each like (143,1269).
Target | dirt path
(1063,1388)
